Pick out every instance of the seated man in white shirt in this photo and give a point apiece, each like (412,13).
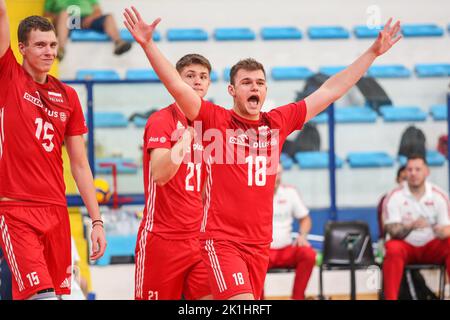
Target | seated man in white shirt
(286,252)
(416,217)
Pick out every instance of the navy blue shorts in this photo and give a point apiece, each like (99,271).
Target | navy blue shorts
(97,24)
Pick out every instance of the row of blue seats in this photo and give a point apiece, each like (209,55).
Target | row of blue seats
(423,70)
(377,159)
(267,33)
(105,119)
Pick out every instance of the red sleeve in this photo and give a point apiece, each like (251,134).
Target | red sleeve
(8,65)
(210,114)
(291,116)
(77,124)
(159,132)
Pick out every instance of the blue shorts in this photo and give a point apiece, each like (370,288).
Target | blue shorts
(97,24)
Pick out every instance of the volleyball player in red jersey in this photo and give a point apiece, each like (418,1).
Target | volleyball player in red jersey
(168,258)
(37,114)
(237,226)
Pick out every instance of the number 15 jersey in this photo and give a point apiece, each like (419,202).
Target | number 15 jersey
(34,120)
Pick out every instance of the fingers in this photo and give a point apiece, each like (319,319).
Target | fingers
(138,15)
(395,28)
(396,39)
(156,22)
(128,26)
(130,17)
(387,26)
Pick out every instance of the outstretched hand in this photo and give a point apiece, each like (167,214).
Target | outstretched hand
(141,31)
(386,38)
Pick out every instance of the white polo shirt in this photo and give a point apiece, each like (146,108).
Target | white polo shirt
(401,206)
(287,206)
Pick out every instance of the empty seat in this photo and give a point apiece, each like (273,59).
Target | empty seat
(280,33)
(291,73)
(89,74)
(402,113)
(103,119)
(140,122)
(355,114)
(422,30)
(369,159)
(331,70)
(315,160)
(226,74)
(194,34)
(432,70)
(364,32)
(227,34)
(88,36)
(142,74)
(214,76)
(286,161)
(389,71)
(434,159)
(123,165)
(126,35)
(328,32)
(439,112)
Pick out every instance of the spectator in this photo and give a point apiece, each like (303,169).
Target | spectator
(285,253)
(417,222)
(91,18)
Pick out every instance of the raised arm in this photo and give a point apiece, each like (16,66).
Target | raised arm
(186,98)
(5,38)
(336,86)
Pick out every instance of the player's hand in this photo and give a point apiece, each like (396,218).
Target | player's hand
(302,242)
(440,232)
(141,31)
(420,223)
(98,242)
(386,38)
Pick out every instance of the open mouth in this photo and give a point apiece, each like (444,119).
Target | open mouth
(253,100)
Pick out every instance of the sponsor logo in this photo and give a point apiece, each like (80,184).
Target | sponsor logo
(36,101)
(163,139)
(180,125)
(265,144)
(153,139)
(240,140)
(65,284)
(55,97)
(63,116)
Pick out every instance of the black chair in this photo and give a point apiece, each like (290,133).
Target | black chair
(347,246)
(440,267)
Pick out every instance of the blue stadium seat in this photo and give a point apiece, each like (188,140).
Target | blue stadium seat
(369,159)
(434,159)
(123,165)
(226,74)
(315,160)
(227,34)
(142,74)
(328,32)
(331,70)
(355,114)
(291,73)
(424,70)
(402,113)
(439,112)
(103,119)
(140,122)
(364,32)
(280,33)
(88,36)
(422,30)
(286,161)
(195,34)
(214,76)
(91,74)
(389,71)
(126,35)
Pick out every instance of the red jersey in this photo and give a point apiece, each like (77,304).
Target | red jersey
(174,210)
(34,120)
(239,194)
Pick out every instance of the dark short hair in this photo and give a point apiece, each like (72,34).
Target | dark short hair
(33,23)
(400,170)
(193,58)
(418,156)
(248,64)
